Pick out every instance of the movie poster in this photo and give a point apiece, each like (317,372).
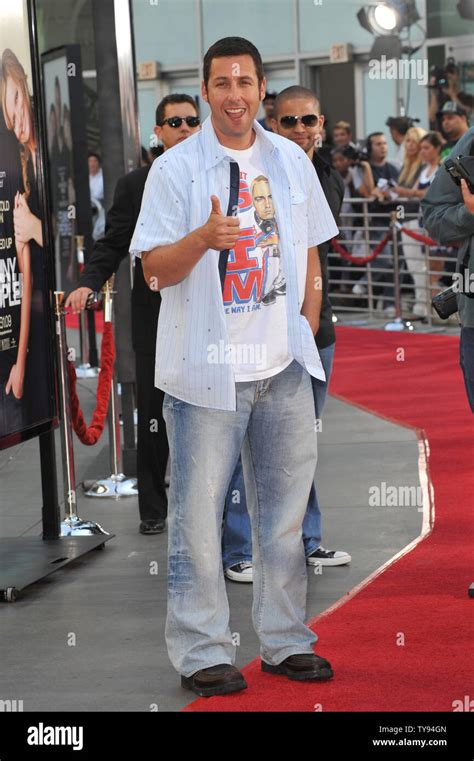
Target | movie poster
(26,340)
(59,136)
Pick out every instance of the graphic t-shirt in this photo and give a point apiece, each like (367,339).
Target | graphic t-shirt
(255,288)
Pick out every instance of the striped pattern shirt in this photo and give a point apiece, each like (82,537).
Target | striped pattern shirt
(192,319)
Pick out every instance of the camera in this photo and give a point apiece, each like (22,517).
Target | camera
(441,73)
(461,168)
(355,153)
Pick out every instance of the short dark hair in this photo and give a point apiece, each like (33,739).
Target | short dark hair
(369,141)
(295,91)
(172,98)
(92,155)
(230,46)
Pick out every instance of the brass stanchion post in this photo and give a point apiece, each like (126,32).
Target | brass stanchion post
(117,484)
(72,525)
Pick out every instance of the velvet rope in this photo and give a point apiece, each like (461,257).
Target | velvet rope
(361,260)
(90,435)
(419,237)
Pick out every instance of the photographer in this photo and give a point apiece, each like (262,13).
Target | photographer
(444,87)
(449,217)
(360,171)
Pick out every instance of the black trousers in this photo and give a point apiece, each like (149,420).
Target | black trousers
(152,442)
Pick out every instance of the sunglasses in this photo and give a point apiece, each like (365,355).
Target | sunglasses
(176,121)
(308,120)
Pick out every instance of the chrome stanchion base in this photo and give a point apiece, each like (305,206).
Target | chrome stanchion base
(399,325)
(86,371)
(115,486)
(76,527)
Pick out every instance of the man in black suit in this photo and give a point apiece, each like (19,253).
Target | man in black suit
(176,119)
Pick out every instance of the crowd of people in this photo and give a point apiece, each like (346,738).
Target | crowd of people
(387,184)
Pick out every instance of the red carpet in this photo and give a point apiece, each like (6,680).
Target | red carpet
(421,597)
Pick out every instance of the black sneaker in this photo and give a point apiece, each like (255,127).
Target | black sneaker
(328,557)
(152,527)
(240,572)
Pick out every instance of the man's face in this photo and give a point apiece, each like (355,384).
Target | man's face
(233,94)
(303,136)
(341,137)
(170,136)
(94,165)
(454,125)
(262,199)
(397,136)
(379,148)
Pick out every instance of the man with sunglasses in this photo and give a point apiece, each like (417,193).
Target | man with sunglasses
(215,408)
(176,119)
(297,116)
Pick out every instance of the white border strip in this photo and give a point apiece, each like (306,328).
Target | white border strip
(428,520)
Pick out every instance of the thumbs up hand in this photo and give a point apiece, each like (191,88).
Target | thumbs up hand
(220,232)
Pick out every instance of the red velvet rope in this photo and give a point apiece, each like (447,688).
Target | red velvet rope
(419,237)
(90,435)
(360,260)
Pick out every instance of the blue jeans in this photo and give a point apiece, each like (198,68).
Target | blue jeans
(274,429)
(236,534)
(467,362)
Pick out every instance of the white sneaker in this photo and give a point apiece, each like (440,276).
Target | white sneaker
(328,557)
(240,572)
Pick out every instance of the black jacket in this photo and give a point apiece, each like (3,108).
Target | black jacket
(109,251)
(333,188)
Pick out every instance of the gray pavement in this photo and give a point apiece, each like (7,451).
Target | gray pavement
(91,636)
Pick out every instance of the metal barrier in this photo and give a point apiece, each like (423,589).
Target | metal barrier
(401,281)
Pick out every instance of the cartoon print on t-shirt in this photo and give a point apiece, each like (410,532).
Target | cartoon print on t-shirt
(254,275)
(268,238)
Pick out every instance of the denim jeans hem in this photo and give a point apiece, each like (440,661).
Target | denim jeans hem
(286,652)
(214,663)
(313,546)
(236,562)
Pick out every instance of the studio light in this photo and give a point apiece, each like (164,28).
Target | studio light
(466,9)
(389,17)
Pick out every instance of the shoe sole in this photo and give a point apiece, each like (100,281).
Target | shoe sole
(208,692)
(336,561)
(323,675)
(238,577)
(153,531)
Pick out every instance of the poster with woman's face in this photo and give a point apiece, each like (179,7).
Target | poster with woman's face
(26,400)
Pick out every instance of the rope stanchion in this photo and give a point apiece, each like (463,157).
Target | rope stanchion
(117,485)
(90,435)
(72,525)
(360,260)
